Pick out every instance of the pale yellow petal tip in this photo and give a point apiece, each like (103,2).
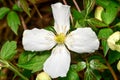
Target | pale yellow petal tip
(114,41)
(43,76)
(98,13)
(118,65)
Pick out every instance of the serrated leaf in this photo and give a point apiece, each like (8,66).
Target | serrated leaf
(104,34)
(113,56)
(89,75)
(71,75)
(17,8)
(78,15)
(96,64)
(26,56)
(8,50)
(3,12)
(79,66)
(97,23)
(25,6)
(110,12)
(13,21)
(36,63)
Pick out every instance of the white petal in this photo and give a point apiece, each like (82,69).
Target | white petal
(38,40)
(82,40)
(57,65)
(61,14)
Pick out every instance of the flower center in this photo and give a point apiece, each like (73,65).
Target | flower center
(60,38)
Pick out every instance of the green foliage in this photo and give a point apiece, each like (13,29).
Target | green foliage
(8,50)
(17,8)
(3,12)
(110,12)
(13,21)
(103,35)
(96,22)
(96,64)
(33,61)
(25,7)
(113,56)
(72,75)
(79,66)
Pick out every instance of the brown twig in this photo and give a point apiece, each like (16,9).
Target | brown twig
(76,5)
(23,23)
(37,11)
(64,1)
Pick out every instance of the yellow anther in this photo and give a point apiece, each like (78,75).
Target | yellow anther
(60,38)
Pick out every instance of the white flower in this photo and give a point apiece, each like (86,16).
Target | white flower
(114,41)
(82,40)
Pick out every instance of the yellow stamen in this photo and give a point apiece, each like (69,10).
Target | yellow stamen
(60,38)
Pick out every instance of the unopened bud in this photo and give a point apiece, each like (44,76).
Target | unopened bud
(98,12)
(43,76)
(118,65)
(114,41)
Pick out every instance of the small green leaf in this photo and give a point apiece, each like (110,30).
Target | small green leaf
(36,62)
(79,66)
(8,50)
(104,34)
(17,8)
(71,75)
(89,75)
(3,12)
(110,12)
(25,6)
(78,15)
(26,56)
(97,23)
(96,64)
(113,56)
(13,21)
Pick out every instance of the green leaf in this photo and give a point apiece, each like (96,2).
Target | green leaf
(97,23)
(17,8)
(25,7)
(96,64)
(88,6)
(36,62)
(26,56)
(3,12)
(79,66)
(13,21)
(103,3)
(78,15)
(89,75)
(8,50)
(110,12)
(72,75)
(113,56)
(104,34)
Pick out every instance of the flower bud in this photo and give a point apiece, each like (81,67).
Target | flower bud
(118,65)
(98,13)
(43,76)
(114,41)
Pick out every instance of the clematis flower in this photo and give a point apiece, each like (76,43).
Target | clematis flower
(81,40)
(114,41)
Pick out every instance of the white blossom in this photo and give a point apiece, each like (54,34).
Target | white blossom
(81,40)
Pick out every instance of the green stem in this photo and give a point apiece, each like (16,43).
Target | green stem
(14,69)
